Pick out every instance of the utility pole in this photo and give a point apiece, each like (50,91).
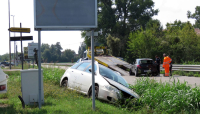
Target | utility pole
(14,41)
(9,32)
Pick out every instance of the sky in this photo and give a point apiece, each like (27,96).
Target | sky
(22,12)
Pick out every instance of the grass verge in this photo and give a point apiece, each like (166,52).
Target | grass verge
(156,97)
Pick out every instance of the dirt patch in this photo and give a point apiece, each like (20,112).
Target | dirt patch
(4,105)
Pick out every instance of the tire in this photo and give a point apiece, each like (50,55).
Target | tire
(136,73)
(64,83)
(96,92)
(130,72)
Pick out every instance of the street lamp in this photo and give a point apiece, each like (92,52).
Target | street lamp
(9,31)
(14,36)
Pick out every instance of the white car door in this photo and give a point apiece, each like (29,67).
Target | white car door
(85,79)
(3,82)
(71,74)
(79,77)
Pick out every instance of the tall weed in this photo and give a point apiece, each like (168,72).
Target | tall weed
(52,74)
(171,97)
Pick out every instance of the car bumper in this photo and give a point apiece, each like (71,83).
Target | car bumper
(106,95)
(145,71)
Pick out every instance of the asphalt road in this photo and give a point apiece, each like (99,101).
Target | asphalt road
(190,80)
(131,79)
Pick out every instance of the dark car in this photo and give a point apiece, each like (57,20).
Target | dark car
(144,66)
(5,63)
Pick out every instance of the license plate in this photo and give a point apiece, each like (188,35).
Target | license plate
(147,70)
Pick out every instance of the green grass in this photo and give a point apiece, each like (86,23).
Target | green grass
(183,73)
(156,97)
(186,73)
(174,97)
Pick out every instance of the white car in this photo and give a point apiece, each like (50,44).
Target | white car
(2,65)
(3,81)
(109,85)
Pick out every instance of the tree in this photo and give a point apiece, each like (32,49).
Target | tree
(46,55)
(196,16)
(189,39)
(58,49)
(44,46)
(81,49)
(68,55)
(121,17)
(4,57)
(143,44)
(114,44)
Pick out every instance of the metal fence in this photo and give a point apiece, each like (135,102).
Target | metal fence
(195,68)
(175,67)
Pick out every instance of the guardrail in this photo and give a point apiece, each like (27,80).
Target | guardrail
(60,64)
(195,68)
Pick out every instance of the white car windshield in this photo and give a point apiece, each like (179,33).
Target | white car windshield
(108,73)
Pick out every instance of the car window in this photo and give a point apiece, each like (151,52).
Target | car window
(95,68)
(83,66)
(75,65)
(146,62)
(108,73)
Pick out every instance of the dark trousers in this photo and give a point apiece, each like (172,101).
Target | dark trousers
(158,68)
(170,69)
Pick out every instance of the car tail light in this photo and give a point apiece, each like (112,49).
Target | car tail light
(2,87)
(139,66)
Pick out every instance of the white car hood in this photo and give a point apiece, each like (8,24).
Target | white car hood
(122,88)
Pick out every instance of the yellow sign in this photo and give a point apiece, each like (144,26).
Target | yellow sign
(14,29)
(25,51)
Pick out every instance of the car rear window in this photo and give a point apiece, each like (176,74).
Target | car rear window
(146,62)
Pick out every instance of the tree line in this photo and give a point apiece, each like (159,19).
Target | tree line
(51,54)
(128,29)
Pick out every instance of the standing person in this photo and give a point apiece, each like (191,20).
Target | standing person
(166,64)
(170,67)
(158,61)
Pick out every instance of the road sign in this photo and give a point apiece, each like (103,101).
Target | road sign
(26,52)
(14,29)
(31,47)
(23,38)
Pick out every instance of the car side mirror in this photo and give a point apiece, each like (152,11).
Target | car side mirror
(91,71)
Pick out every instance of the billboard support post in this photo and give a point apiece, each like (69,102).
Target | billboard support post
(39,66)
(93,78)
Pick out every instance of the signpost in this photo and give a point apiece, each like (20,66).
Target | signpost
(21,30)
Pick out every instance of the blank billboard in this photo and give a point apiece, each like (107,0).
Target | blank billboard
(65,14)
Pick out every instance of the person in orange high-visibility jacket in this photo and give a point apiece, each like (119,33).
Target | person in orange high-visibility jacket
(166,64)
